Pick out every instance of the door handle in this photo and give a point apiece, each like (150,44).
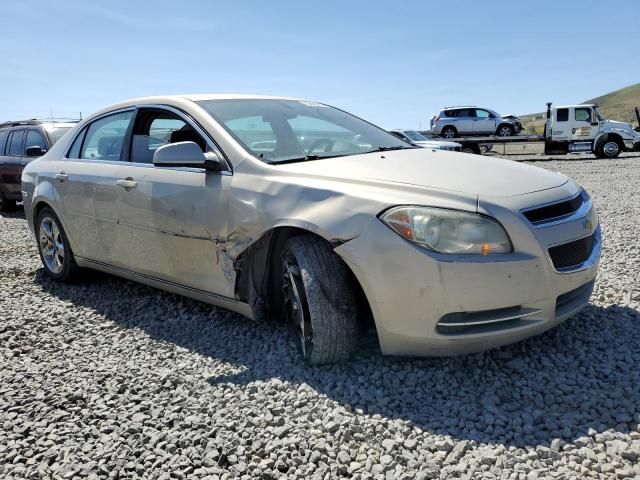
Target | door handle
(61,177)
(128,183)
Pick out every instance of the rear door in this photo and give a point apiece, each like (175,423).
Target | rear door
(85,182)
(172,221)
(465,120)
(11,166)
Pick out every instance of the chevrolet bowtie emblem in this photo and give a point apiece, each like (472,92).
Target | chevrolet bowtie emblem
(588,225)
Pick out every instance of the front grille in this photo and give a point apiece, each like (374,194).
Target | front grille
(555,211)
(572,254)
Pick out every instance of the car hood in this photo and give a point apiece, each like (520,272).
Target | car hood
(460,172)
(616,125)
(436,144)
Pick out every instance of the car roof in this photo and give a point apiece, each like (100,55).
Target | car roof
(67,122)
(177,100)
(578,105)
(461,106)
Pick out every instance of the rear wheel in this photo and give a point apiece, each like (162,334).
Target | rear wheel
(608,149)
(53,246)
(318,300)
(449,132)
(505,131)
(6,205)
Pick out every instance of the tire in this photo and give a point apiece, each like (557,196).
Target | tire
(449,132)
(505,130)
(54,249)
(6,205)
(319,301)
(608,149)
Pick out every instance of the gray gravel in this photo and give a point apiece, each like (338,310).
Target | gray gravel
(110,379)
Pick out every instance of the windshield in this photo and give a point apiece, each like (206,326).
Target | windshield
(292,130)
(600,117)
(415,136)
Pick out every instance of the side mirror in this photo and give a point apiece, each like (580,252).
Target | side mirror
(186,154)
(34,151)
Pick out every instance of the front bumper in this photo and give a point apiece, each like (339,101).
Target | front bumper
(412,292)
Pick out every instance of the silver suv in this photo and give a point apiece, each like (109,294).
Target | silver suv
(454,122)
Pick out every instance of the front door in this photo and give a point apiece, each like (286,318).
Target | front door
(172,221)
(484,123)
(581,128)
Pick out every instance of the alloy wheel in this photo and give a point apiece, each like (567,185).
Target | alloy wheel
(51,245)
(295,310)
(504,132)
(448,133)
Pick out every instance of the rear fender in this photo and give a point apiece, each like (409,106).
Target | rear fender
(44,195)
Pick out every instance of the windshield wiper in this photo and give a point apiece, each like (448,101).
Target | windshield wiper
(388,149)
(305,158)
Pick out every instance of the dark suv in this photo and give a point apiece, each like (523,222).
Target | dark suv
(21,142)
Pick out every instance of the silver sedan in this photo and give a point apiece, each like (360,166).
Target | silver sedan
(289,209)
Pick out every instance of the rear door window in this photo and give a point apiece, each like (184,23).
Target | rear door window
(105,137)
(562,115)
(466,113)
(14,145)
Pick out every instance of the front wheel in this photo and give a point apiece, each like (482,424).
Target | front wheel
(608,149)
(53,246)
(505,131)
(318,300)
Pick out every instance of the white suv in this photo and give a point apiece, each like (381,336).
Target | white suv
(453,122)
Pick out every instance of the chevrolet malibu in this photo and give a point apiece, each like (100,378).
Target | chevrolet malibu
(284,208)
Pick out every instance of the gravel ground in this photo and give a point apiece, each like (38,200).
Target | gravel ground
(111,379)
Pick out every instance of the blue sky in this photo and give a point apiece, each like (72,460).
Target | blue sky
(393,63)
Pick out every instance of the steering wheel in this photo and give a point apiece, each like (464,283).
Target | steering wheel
(325,143)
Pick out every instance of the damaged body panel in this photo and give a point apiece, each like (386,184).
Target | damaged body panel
(411,236)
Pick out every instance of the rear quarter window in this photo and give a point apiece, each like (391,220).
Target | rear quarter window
(3,138)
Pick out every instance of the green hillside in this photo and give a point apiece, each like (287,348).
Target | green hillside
(616,105)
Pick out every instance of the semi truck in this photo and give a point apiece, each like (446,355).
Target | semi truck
(571,129)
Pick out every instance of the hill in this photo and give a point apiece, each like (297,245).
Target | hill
(616,105)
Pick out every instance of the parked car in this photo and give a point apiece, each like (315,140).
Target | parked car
(443,255)
(452,122)
(416,138)
(21,142)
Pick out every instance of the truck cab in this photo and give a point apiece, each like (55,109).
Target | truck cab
(583,129)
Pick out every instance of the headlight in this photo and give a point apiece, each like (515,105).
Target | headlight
(448,231)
